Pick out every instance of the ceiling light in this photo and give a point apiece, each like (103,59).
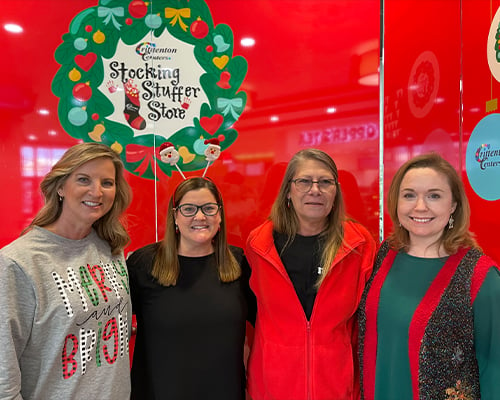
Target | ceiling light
(13,28)
(247,42)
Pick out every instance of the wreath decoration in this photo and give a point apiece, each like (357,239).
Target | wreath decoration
(424,81)
(497,44)
(87,52)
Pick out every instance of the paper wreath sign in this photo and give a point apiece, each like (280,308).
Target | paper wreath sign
(137,74)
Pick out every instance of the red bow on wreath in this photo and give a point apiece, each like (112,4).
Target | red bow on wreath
(136,152)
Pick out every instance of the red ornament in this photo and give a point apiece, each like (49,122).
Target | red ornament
(138,8)
(128,21)
(224,80)
(95,116)
(209,48)
(199,29)
(88,28)
(82,92)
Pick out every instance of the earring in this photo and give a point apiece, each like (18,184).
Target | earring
(288,202)
(60,199)
(176,229)
(451,222)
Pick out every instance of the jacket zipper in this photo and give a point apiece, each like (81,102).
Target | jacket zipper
(309,361)
(264,255)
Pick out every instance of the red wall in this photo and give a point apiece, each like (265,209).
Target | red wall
(306,59)
(308,56)
(448,41)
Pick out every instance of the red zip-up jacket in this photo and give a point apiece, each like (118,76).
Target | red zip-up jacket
(295,359)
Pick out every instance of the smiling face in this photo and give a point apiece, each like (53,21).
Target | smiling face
(197,232)
(312,207)
(425,204)
(88,194)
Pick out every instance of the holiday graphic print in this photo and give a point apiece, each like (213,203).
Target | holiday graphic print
(493,56)
(423,84)
(482,161)
(95,297)
(137,74)
(497,44)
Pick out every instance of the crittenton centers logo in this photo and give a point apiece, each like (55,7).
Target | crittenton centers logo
(487,157)
(148,51)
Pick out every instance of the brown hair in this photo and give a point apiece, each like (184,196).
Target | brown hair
(110,226)
(451,239)
(285,218)
(166,266)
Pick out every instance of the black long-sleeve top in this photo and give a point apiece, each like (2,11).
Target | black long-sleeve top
(190,337)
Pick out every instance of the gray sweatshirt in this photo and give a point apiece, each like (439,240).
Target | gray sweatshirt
(65,317)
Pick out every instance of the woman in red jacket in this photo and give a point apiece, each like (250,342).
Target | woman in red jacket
(309,268)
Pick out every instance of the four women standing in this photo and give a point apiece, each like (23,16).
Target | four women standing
(427,326)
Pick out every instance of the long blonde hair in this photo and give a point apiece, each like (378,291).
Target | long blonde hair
(166,268)
(284,217)
(109,227)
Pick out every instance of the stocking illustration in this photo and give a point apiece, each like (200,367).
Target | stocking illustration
(132,106)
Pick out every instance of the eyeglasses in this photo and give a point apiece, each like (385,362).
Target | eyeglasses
(190,210)
(304,185)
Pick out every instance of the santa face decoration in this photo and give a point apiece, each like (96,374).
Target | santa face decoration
(170,155)
(212,152)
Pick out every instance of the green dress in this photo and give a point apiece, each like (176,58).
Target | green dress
(403,290)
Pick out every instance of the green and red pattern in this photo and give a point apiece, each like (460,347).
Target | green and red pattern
(497,43)
(93,36)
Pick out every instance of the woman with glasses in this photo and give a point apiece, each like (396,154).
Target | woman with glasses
(191,298)
(309,267)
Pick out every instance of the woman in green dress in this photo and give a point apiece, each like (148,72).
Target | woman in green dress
(429,326)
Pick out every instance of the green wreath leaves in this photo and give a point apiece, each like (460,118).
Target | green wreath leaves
(84,110)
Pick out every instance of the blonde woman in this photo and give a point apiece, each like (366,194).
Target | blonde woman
(65,310)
